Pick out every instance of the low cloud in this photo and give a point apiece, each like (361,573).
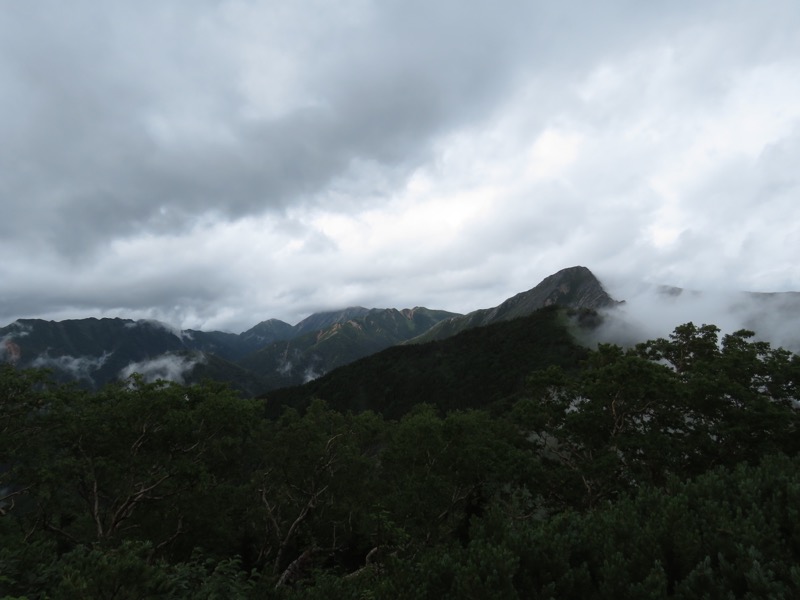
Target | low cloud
(77,367)
(16,330)
(167,367)
(156,324)
(651,311)
(285,367)
(310,374)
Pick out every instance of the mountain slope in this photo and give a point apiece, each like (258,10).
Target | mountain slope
(574,287)
(95,352)
(91,350)
(477,368)
(294,361)
(266,332)
(324,320)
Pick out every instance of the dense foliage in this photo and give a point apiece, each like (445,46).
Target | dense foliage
(666,470)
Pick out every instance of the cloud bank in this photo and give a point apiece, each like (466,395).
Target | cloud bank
(651,312)
(217,163)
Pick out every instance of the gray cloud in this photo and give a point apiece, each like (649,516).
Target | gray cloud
(125,119)
(217,163)
(155,324)
(144,120)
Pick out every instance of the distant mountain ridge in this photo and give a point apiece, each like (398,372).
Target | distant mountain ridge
(274,354)
(271,354)
(306,356)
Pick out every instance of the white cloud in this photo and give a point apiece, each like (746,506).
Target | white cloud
(156,324)
(167,367)
(78,367)
(650,312)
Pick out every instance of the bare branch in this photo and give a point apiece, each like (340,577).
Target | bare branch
(96,510)
(178,531)
(125,510)
(369,563)
(4,510)
(60,531)
(296,567)
(312,502)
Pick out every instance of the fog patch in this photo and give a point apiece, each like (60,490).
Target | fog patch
(310,374)
(77,367)
(774,318)
(167,367)
(651,311)
(288,361)
(155,324)
(20,329)
(285,367)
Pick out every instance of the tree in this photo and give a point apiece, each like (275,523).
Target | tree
(677,406)
(129,461)
(315,491)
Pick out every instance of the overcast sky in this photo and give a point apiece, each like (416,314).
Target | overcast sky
(213,164)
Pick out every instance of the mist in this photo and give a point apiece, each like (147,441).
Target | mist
(77,367)
(167,367)
(156,324)
(652,311)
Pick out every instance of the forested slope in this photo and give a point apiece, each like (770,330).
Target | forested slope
(669,470)
(478,368)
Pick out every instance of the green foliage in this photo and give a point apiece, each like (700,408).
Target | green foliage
(727,534)
(668,470)
(666,407)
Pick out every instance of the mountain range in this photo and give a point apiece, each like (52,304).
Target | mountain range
(274,354)
(95,352)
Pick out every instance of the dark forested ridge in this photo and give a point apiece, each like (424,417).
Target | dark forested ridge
(478,368)
(318,351)
(94,352)
(666,470)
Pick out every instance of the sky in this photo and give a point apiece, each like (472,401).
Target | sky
(213,164)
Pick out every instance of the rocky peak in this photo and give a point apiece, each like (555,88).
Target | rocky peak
(573,287)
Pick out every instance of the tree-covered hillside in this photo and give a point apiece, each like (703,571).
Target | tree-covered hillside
(478,368)
(669,470)
(318,351)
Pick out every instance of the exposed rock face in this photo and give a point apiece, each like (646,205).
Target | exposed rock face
(574,287)
(323,320)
